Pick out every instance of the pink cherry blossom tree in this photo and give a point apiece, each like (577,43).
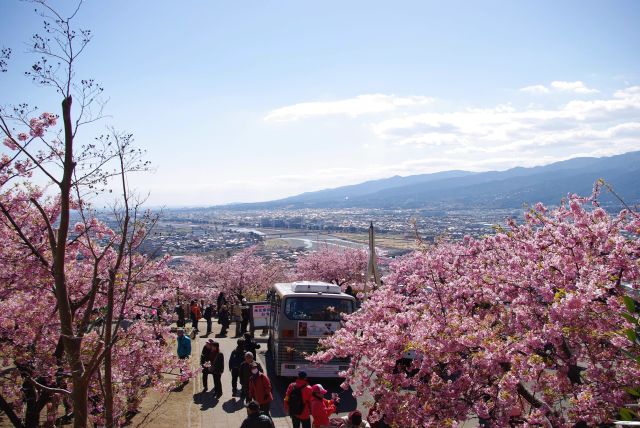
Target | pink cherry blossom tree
(338,265)
(523,327)
(244,273)
(70,294)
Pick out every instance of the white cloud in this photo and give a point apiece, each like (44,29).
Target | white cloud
(352,107)
(609,124)
(535,89)
(577,87)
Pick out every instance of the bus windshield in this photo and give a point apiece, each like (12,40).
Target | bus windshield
(317,308)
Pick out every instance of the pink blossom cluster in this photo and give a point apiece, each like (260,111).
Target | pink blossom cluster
(522,327)
(38,125)
(29,326)
(245,273)
(341,266)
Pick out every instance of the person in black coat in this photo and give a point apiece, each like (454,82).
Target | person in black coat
(222,300)
(250,344)
(245,374)
(255,418)
(208,314)
(235,360)
(224,319)
(179,310)
(245,316)
(212,362)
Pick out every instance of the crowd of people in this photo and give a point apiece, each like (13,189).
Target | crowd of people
(304,403)
(225,312)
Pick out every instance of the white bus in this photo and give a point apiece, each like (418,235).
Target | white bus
(301,314)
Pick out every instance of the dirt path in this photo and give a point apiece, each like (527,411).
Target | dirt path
(191,408)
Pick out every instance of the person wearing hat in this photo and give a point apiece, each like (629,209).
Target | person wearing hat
(255,418)
(245,374)
(296,401)
(321,408)
(260,388)
(354,420)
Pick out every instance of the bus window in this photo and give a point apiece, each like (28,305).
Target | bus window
(317,308)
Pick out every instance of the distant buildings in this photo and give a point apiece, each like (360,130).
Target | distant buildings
(197,231)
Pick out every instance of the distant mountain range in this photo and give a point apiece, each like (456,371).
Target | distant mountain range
(494,189)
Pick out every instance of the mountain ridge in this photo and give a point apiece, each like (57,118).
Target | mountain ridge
(464,189)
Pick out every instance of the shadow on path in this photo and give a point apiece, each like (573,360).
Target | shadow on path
(180,387)
(232,405)
(205,400)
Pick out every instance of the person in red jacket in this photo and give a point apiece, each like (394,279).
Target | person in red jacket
(196,314)
(260,388)
(321,408)
(302,395)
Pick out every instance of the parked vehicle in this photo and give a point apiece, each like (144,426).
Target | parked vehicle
(302,313)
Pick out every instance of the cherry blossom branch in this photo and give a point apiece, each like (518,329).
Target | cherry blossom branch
(45,218)
(22,236)
(48,388)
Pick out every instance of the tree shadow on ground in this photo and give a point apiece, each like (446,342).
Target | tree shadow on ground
(233,405)
(205,400)
(180,387)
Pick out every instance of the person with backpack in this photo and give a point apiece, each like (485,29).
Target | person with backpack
(255,418)
(297,400)
(260,389)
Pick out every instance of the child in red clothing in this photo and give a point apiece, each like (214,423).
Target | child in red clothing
(321,408)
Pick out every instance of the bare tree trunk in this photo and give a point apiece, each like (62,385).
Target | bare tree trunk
(71,343)
(108,389)
(108,375)
(80,405)
(32,413)
(11,414)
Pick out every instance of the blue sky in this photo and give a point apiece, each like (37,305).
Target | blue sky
(248,101)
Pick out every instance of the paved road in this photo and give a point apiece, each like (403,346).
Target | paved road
(192,408)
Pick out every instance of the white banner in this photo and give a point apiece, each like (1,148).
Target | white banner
(261,315)
(316,328)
